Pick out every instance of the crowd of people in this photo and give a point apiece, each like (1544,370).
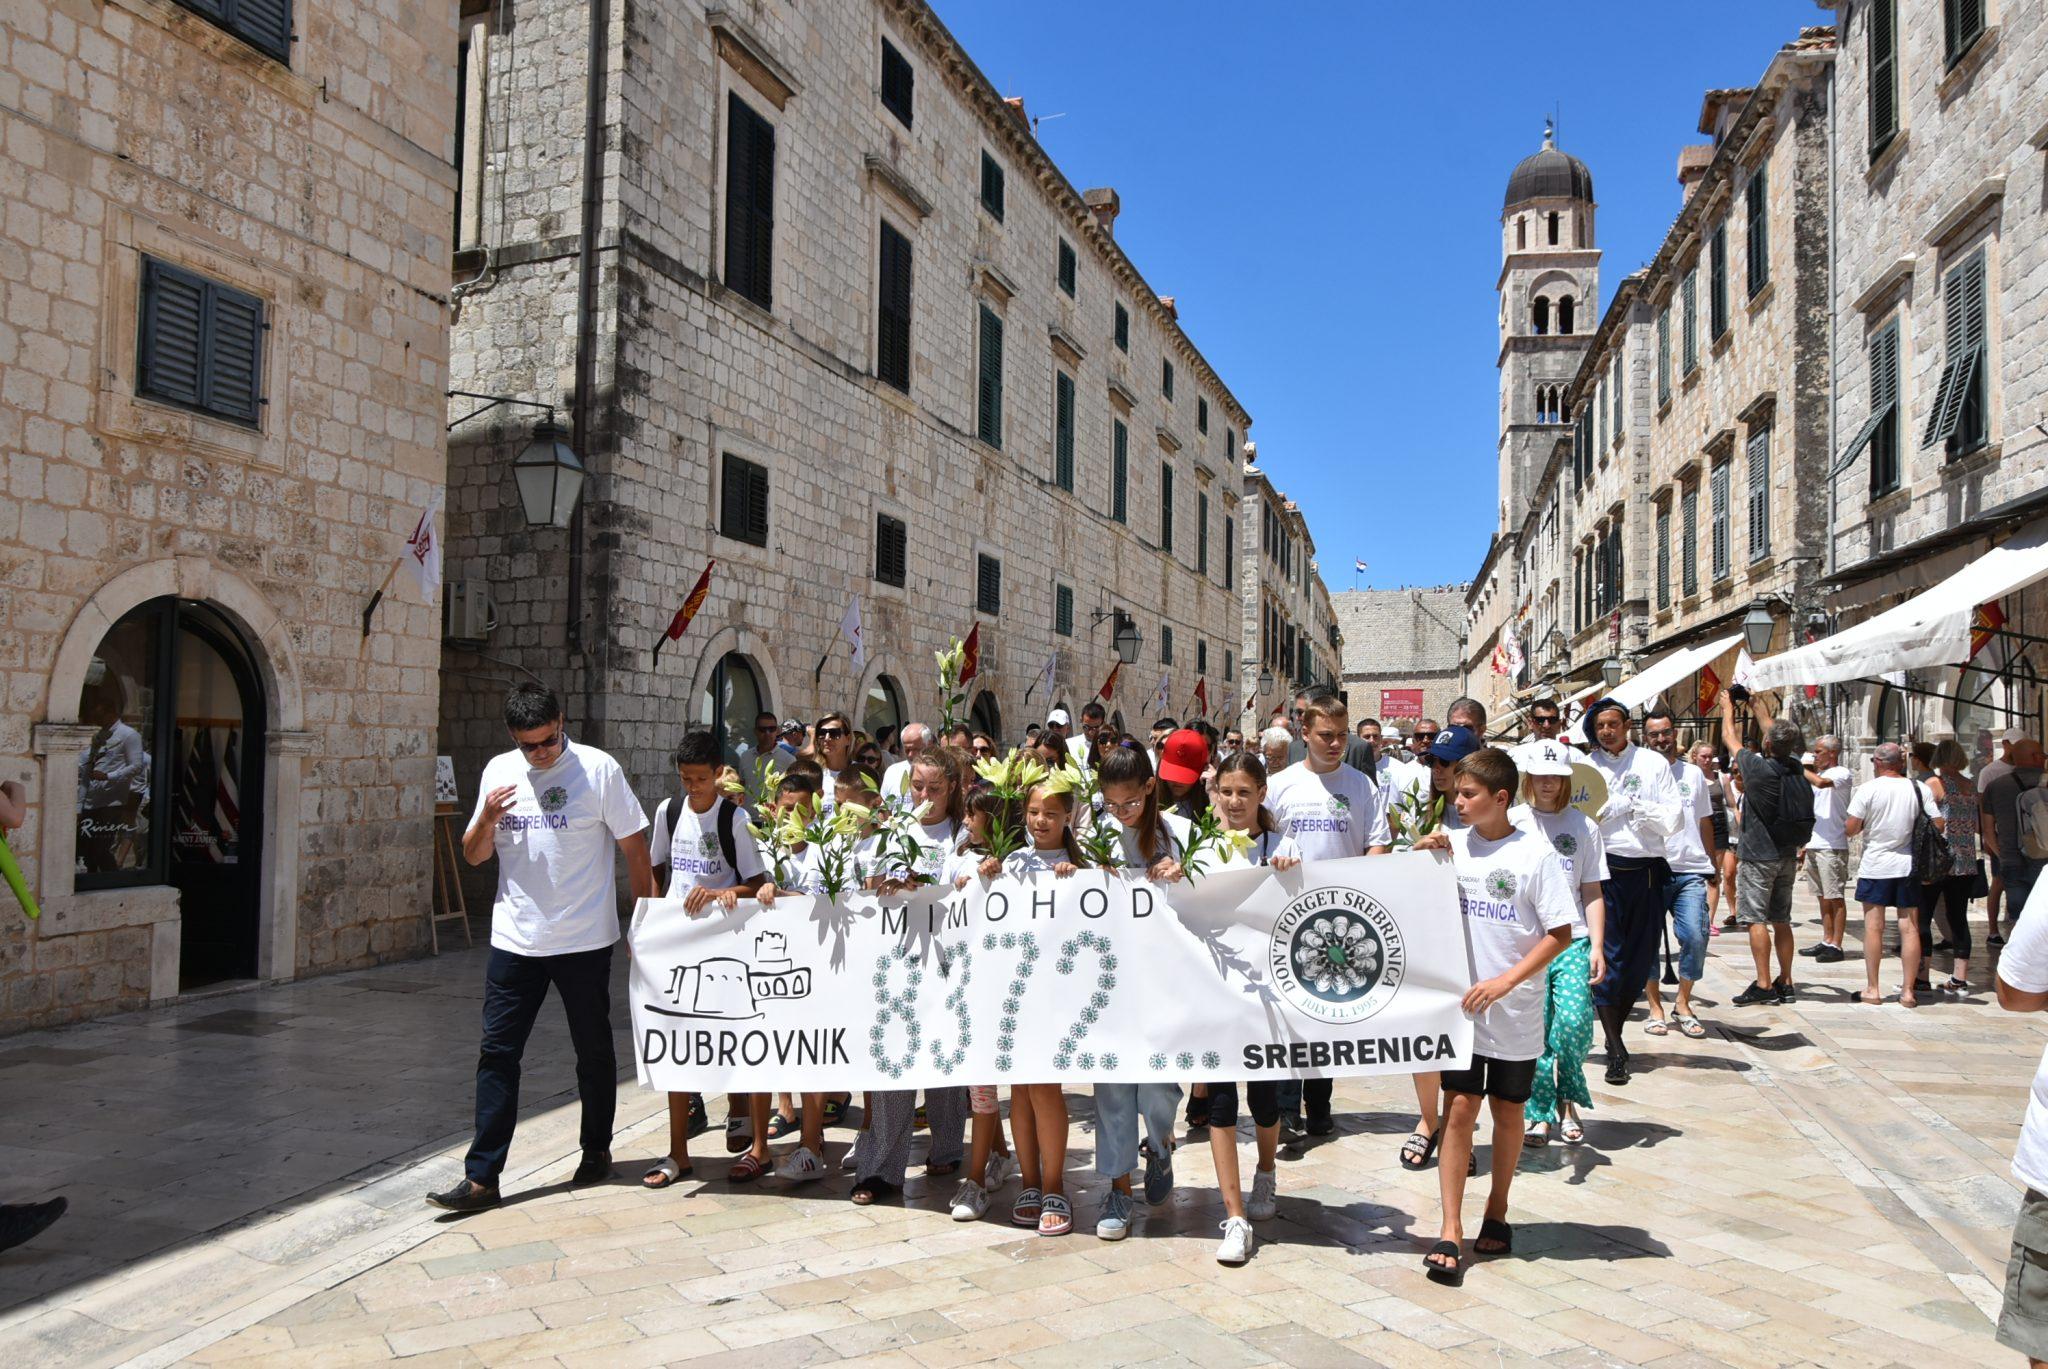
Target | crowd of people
(1568,881)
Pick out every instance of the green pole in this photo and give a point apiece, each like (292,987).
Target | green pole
(15,882)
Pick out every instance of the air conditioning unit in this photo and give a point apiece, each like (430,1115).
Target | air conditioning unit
(467,612)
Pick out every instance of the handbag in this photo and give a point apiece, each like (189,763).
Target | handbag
(1980,883)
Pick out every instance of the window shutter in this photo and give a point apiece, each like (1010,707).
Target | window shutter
(898,82)
(1663,355)
(989,405)
(1229,554)
(265,24)
(1230,445)
(1759,231)
(1663,558)
(1166,379)
(1689,558)
(169,355)
(892,331)
(1617,399)
(1165,507)
(1720,513)
(1063,610)
(1201,414)
(749,203)
(991,185)
(1063,431)
(1717,281)
(1884,68)
(988,597)
(1202,534)
(1688,293)
(1123,328)
(1119,472)
(1165,644)
(891,550)
(1760,494)
(1963,307)
(1067,267)
(232,380)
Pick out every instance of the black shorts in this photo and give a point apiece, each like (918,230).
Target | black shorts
(1511,1081)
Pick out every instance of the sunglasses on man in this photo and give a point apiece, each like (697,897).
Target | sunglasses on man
(546,743)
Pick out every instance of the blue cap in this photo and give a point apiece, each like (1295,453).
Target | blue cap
(1453,744)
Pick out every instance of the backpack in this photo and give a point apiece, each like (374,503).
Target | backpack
(1791,824)
(1932,858)
(728,814)
(2032,811)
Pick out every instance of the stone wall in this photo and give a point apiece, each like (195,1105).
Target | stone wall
(1400,639)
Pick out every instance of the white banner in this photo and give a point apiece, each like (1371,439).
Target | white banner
(1333,968)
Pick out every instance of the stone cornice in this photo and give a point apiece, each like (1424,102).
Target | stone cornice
(750,57)
(887,177)
(1980,197)
(1888,281)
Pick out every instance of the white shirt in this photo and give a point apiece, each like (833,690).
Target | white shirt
(1329,816)
(1029,860)
(896,781)
(1077,747)
(2024,965)
(1683,849)
(556,891)
(1512,892)
(1886,806)
(828,790)
(1576,840)
(1831,810)
(938,846)
(1174,835)
(687,842)
(119,755)
(1395,773)
(1649,809)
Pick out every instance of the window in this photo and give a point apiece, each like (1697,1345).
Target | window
(1689,308)
(1599,420)
(749,203)
(1229,553)
(1759,494)
(1553,228)
(1202,533)
(1201,655)
(1759,229)
(1229,664)
(1564,316)
(1617,399)
(1663,557)
(892,323)
(1063,431)
(988,401)
(1723,550)
(1165,507)
(988,584)
(1958,416)
(743,500)
(1230,445)
(1165,644)
(898,81)
(1664,355)
(1067,267)
(892,543)
(991,186)
(1119,471)
(1880,431)
(1883,65)
(1166,379)
(1063,610)
(1541,315)
(1962,24)
(265,25)
(1201,414)
(1717,281)
(1521,232)
(1123,328)
(1689,532)
(200,344)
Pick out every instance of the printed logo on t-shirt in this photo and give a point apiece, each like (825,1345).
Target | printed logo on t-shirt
(1631,783)
(707,845)
(1500,883)
(1566,844)
(1334,817)
(554,799)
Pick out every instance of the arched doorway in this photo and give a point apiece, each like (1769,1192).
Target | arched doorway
(169,788)
(986,715)
(882,712)
(732,698)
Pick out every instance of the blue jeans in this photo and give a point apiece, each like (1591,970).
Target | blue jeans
(514,988)
(2020,875)
(1685,898)
(1116,1123)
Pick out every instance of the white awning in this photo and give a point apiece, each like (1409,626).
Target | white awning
(1640,688)
(1930,629)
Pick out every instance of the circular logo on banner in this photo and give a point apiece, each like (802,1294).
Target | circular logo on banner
(554,799)
(1337,955)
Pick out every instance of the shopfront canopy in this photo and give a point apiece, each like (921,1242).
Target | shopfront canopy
(1930,629)
(1640,688)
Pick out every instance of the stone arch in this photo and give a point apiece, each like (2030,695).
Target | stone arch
(748,643)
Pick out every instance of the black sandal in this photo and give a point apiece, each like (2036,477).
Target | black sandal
(835,1110)
(868,1192)
(1418,1157)
(1452,1274)
(779,1126)
(1500,1233)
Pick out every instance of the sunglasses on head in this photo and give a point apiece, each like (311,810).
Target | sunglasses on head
(531,747)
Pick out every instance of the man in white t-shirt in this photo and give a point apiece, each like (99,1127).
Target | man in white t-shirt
(1393,772)
(1827,853)
(1689,852)
(1882,814)
(1641,811)
(1332,811)
(2023,987)
(552,811)
(896,779)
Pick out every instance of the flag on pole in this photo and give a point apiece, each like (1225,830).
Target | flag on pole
(1202,697)
(422,556)
(1358,565)
(1710,689)
(1108,689)
(970,654)
(1162,697)
(849,628)
(1045,676)
(692,601)
(1984,626)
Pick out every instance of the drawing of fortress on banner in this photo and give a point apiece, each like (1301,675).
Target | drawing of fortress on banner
(729,989)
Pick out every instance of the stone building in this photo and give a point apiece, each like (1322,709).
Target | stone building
(221,396)
(819,312)
(1401,657)
(1291,640)
(1940,320)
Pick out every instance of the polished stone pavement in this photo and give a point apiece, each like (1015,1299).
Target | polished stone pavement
(1822,1183)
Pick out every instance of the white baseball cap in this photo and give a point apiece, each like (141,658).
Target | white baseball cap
(1058,718)
(1545,756)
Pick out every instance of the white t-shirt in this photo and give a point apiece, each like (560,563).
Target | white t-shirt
(828,791)
(1031,861)
(800,873)
(556,891)
(1650,810)
(896,781)
(1512,892)
(1683,850)
(1266,848)
(938,851)
(688,843)
(1576,840)
(1174,840)
(1831,810)
(1395,773)
(2024,965)
(1329,816)
(1886,806)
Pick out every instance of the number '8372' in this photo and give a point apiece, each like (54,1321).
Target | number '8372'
(897,1008)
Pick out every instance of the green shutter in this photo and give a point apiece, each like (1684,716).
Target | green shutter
(1123,328)
(989,392)
(892,329)
(1663,354)
(991,186)
(749,202)
(1202,534)
(1119,472)
(199,344)
(1067,267)
(1688,295)
(1883,66)
(1760,494)
(1717,281)
(898,82)
(1165,507)
(1063,431)
(1758,226)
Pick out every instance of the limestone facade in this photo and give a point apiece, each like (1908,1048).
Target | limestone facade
(289,193)
(1290,625)
(1030,443)
(1400,640)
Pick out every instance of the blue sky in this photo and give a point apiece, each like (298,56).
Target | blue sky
(1321,191)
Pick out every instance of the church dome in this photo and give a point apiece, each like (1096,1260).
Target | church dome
(1549,175)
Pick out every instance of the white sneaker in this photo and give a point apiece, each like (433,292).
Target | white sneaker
(1000,1169)
(1265,1200)
(970,1201)
(801,1166)
(1115,1222)
(1237,1242)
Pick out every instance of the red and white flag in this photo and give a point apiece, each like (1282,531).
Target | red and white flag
(1108,689)
(693,601)
(970,654)
(422,557)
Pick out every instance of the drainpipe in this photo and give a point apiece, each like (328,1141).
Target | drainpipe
(596,78)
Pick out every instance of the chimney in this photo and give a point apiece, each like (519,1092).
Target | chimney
(1016,104)
(1103,203)
(1692,167)
(1166,301)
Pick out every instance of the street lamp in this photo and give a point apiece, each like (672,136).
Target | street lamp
(549,475)
(1758,627)
(1127,639)
(1266,680)
(1610,671)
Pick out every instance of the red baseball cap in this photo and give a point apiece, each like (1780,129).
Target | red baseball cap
(1184,756)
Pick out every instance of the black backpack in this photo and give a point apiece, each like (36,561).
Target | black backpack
(728,814)
(1791,826)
